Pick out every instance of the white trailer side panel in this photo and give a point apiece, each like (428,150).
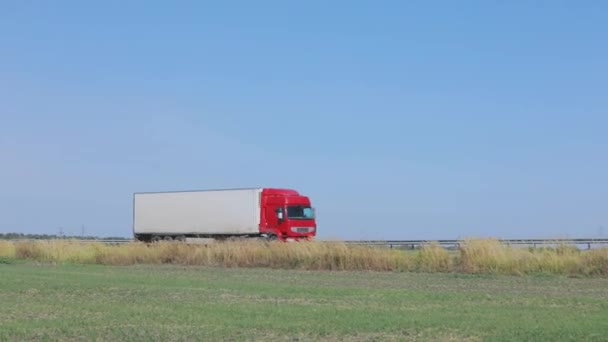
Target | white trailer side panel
(197,212)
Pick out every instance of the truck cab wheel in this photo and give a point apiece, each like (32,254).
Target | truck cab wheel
(272,237)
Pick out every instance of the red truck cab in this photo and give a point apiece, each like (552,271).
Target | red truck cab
(286,215)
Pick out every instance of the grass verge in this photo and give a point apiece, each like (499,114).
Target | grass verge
(174,303)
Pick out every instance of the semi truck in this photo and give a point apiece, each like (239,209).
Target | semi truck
(268,213)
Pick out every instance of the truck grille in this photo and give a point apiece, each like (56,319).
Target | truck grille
(302,229)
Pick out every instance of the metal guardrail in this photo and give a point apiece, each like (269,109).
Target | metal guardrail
(104,241)
(411,244)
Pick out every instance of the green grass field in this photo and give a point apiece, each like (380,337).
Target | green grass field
(165,302)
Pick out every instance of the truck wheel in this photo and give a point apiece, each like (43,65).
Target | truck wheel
(168,238)
(155,238)
(180,238)
(272,237)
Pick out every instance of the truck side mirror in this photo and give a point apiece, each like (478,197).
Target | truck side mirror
(279,212)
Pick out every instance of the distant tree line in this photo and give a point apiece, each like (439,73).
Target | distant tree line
(19,236)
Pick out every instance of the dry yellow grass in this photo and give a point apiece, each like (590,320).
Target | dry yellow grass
(7,249)
(474,256)
(489,256)
(434,258)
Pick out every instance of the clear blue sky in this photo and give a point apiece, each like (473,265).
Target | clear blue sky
(401,119)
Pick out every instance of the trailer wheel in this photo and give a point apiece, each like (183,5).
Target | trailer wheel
(168,238)
(180,238)
(155,238)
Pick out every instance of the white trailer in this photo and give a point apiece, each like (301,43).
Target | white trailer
(196,213)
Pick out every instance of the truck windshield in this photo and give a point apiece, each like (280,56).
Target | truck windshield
(300,212)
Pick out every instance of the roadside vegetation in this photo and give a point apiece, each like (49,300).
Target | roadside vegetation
(474,256)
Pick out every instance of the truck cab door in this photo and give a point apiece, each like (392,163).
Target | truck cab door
(271,217)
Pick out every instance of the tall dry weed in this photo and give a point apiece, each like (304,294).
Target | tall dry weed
(594,262)
(56,251)
(489,256)
(28,250)
(7,249)
(475,256)
(483,256)
(434,258)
